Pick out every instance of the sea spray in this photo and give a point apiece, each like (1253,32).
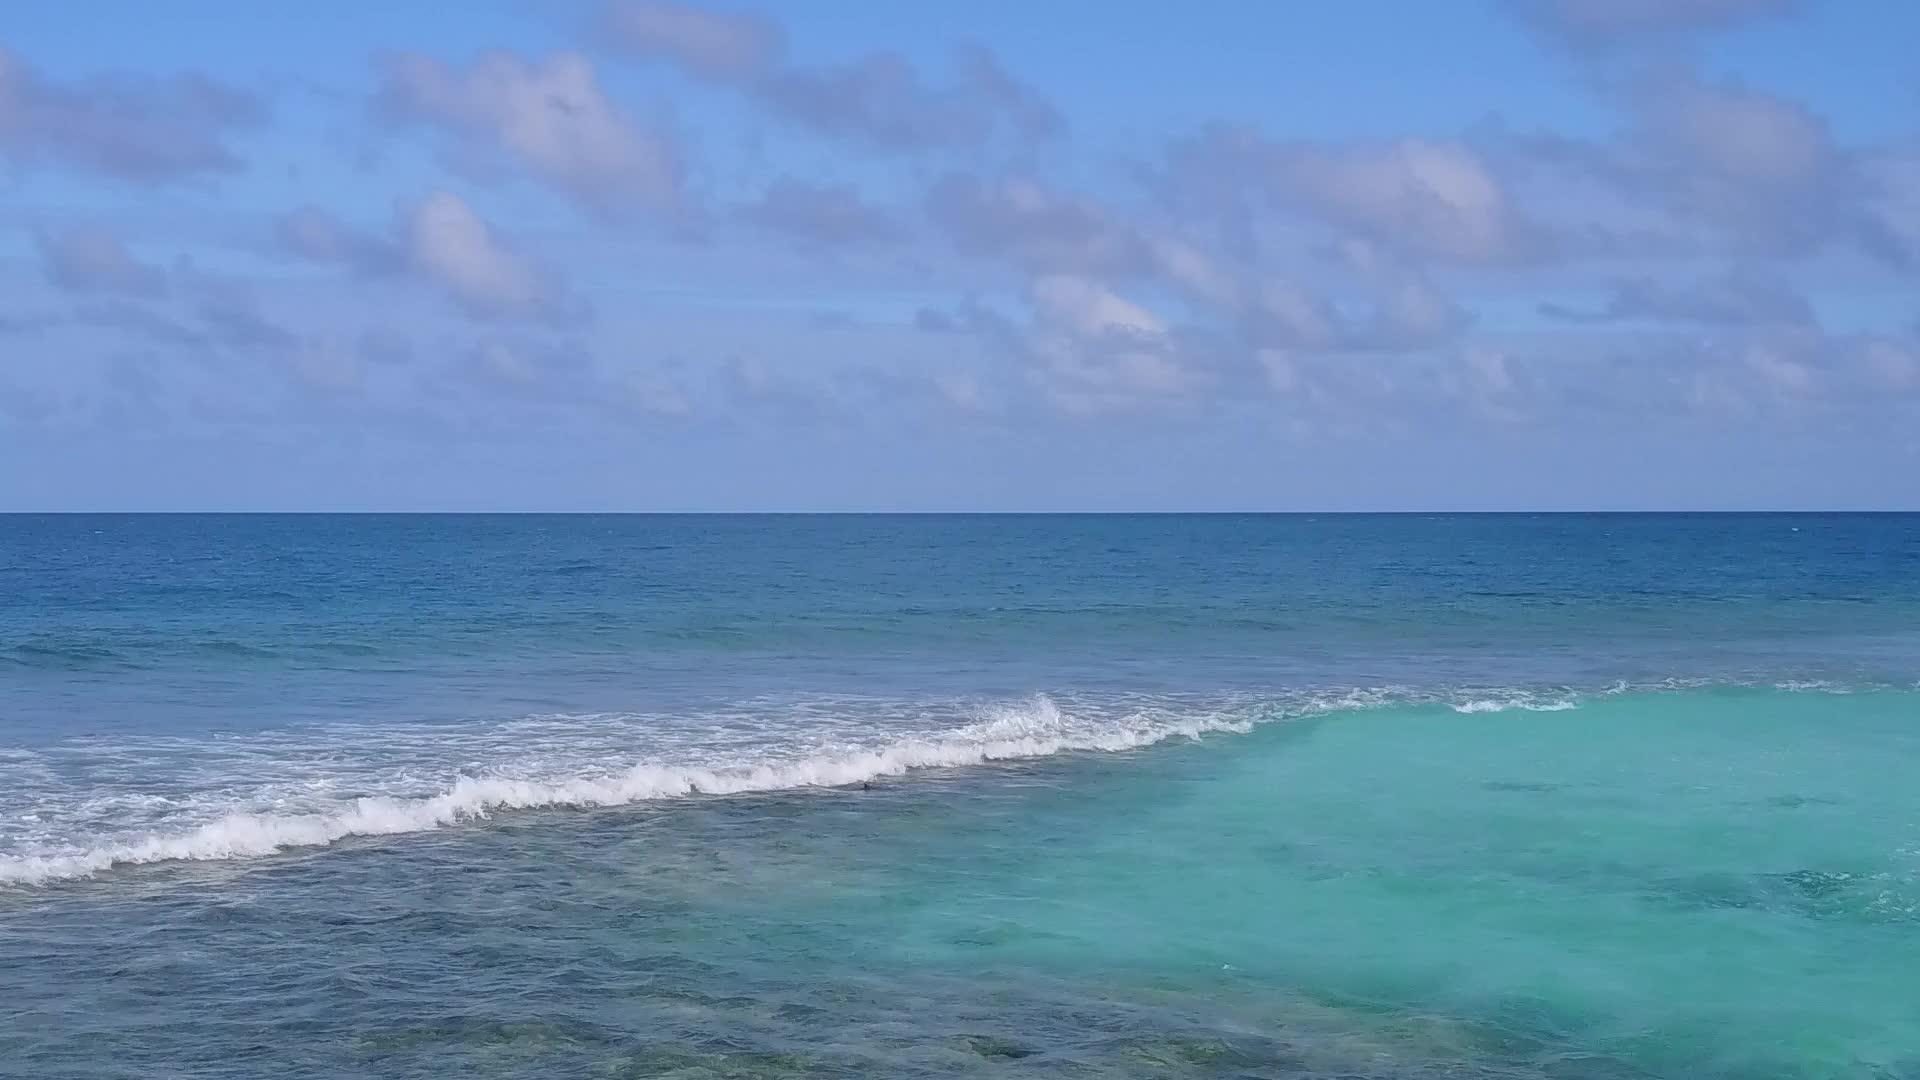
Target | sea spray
(1037,728)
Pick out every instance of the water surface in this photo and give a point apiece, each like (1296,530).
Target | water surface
(1407,796)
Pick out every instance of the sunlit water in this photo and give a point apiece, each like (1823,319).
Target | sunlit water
(1162,796)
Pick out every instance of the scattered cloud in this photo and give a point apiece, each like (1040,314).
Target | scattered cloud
(549,116)
(329,364)
(1714,167)
(1283,313)
(1665,263)
(93,259)
(1020,220)
(820,216)
(1765,168)
(1892,365)
(1607,24)
(141,321)
(934,321)
(1088,309)
(231,317)
(33,322)
(444,242)
(1729,131)
(1414,314)
(447,242)
(962,391)
(652,393)
(1735,298)
(384,348)
(1093,351)
(710,44)
(879,100)
(1435,200)
(314,234)
(1017,103)
(136,128)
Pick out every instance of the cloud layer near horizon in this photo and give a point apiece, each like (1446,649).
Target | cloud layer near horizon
(679,230)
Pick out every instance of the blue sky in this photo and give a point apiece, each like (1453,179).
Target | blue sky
(640,255)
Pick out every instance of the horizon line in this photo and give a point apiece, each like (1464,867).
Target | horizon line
(965,513)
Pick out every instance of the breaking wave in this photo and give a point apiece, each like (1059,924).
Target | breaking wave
(1036,729)
(1512,702)
(559,761)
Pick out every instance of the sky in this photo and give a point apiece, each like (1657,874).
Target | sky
(646,255)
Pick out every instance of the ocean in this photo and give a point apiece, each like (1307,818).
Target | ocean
(1411,796)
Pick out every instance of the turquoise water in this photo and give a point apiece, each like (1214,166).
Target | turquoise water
(1137,796)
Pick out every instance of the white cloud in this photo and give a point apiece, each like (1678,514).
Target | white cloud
(1489,369)
(820,216)
(1097,351)
(1622,22)
(1414,312)
(1019,219)
(1292,314)
(1783,373)
(711,44)
(502,361)
(1417,198)
(880,100)
(1090,310)
(94,259)
(1435,198)
(313,233)
(328,364)
(652,393)
(1742,135)
(131,127)
(445,242)
(960,390)
(1712,166)
(550,116)
(448,242)
(1894,365)
(1278,367)
(1194,272)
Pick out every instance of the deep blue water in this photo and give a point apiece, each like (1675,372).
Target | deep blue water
(1345,795)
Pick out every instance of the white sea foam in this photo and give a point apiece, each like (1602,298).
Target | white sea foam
(1812,686)
(1036,729)
(1510,703)
(94,803)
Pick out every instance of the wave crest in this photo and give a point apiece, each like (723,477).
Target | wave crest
(1514,702)
(1033,730)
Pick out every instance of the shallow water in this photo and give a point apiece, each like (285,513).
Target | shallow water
(1455,797)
